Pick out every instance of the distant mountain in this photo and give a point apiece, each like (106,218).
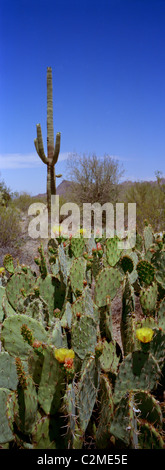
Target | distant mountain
(62,189)
(66,186)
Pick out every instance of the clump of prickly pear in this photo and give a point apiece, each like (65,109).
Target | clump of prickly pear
(146,272)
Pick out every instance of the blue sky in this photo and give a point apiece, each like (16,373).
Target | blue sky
(108,63)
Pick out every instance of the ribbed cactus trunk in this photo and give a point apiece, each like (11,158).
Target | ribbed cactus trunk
(52,151)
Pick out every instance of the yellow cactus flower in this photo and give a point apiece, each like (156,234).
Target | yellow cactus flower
(62,353)
(82,231)
(2,270)
(57,230)
(145,335)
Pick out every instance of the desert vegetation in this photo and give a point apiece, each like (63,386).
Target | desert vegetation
(64,364)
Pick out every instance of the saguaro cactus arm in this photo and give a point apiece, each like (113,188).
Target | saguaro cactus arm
(57,148)
(39,145)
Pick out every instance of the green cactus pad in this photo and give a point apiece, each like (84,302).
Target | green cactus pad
(87,391)
(157,346)
(6,434)
(124,424)
(134,410)
(66,319)
(84,336)
(85,306)
(127,320)
(148,298)
(113,253)
(107,284)
(77,274)
(25,409)
(69,407)
(43,433)
(139,370)
(149,408)
(146,272)
(36,307)
(77,246)
(9,263)
(158,260)
(57,338)
(52,383)
(161,314)
(106,410)
(2,294)
(18,286)
(109,360)
(8,372)
(7,308)
(127,264)
(52,291)
(149,437)
(148,237)
(64,263)
(12,338)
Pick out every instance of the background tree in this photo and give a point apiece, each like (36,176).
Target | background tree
(94,179)
(150,202)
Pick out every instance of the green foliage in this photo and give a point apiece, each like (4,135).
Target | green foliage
(9,226)
(59,363)
(150,203)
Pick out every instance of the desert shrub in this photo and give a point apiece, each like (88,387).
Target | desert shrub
(22,201)
(9,226)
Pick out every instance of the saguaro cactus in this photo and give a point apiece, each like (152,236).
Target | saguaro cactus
(52,150)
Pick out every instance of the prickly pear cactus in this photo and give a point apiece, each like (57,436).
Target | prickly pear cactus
(107,284)
(148,299)
(113,253)
(87,391)
(139,370)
